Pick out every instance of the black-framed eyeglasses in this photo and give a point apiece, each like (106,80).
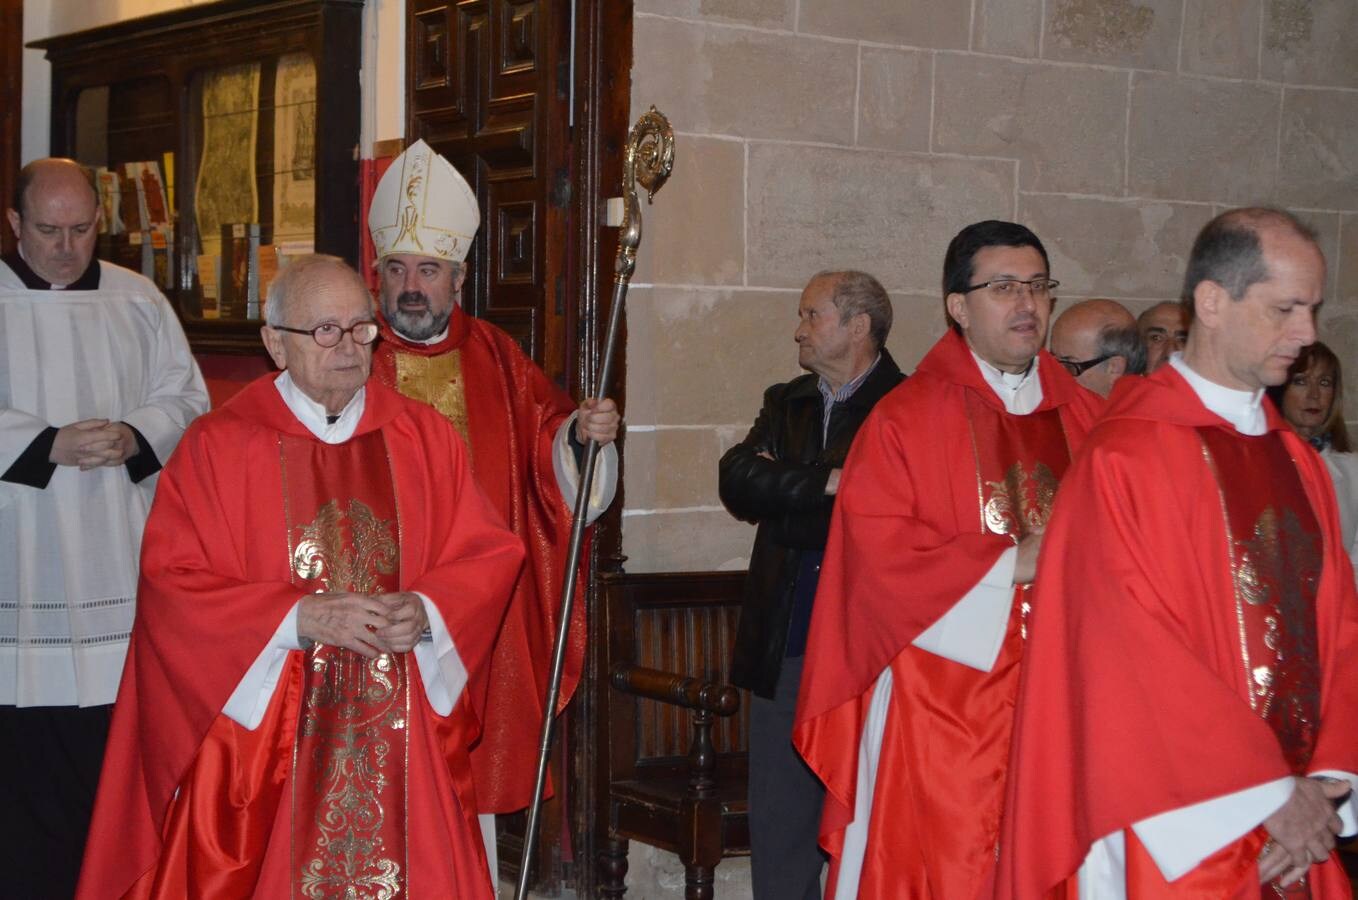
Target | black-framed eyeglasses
(330,334)
(1040,288)
(1077,368)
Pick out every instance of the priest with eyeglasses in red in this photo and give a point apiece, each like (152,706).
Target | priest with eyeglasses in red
(920,615)
(321,584)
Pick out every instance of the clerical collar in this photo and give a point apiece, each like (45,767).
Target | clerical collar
(441,336)
(313,415)
(1243,409)
(1020,393)
(88,280)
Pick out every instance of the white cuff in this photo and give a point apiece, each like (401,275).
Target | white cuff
(605,484)
(441,670)
(1103,876)
(441,667)
(972,632)
(1179,840)
(250,700)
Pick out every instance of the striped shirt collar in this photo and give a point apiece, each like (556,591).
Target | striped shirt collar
(844,393)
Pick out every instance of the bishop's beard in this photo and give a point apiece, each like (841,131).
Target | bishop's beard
(415,325)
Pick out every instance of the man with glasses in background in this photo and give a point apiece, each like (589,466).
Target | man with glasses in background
(1164,331)
(919,621)
(322,581)
(1097,342)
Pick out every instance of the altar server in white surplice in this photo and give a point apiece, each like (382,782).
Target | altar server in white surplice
(96,386)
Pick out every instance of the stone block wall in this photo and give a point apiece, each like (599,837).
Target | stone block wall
(820,134)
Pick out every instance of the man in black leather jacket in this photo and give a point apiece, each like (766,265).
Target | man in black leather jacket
(783,477)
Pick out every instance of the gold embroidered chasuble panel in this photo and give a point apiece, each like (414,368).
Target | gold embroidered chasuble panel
(1275,551)
(350,756)
(1019,464)
(437,381)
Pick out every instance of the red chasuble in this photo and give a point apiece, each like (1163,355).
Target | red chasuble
(940,481)
(1195,633)
(350,779)
(509,413)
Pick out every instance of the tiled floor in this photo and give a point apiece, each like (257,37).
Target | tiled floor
(507,893)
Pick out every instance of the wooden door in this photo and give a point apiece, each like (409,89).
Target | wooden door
(11,106)
(529,99)
(485,89)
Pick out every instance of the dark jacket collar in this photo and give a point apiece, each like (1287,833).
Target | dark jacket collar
(885,376)
(88,280)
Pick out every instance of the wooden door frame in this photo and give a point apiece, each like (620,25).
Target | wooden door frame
(603,118)
(11,113)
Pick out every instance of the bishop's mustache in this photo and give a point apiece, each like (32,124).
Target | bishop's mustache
(412,298)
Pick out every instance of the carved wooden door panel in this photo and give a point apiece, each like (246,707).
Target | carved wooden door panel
(487,88)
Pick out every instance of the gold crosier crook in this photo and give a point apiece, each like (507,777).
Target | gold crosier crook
(648,162)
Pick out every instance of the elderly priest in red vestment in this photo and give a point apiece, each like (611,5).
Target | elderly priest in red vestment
(918,629)
(1189,713)
(321,583)
(524,433)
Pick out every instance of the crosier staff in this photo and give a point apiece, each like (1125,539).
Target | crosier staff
(648,162)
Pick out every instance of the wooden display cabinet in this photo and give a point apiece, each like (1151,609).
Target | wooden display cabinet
(250,109)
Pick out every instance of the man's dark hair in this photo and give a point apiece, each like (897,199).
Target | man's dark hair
(962,249)
(30,172)
(1125,342)
(1228,250)
(858,292)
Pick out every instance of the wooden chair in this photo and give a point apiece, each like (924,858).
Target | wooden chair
(672,732)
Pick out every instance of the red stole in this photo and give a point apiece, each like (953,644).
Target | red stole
(350,758)
(939,794)
(1276,559)
(1275,547)
(1019,464)
(508,412)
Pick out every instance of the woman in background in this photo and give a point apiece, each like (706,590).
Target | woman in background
(1312,399)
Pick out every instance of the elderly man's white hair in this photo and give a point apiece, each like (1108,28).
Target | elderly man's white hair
(301,274)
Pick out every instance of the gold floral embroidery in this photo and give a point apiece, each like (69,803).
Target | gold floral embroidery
(354,724)
(324,553)
(1021,503)
(436,380)
(350,752)
(1278,569)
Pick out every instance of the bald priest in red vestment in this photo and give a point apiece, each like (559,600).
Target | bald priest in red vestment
(918,625)
(525,435)
(321,583)
(1188,721)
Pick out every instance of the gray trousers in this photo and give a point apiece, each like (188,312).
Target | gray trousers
(785,799)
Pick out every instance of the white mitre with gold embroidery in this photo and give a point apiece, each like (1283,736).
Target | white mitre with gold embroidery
(423,206)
